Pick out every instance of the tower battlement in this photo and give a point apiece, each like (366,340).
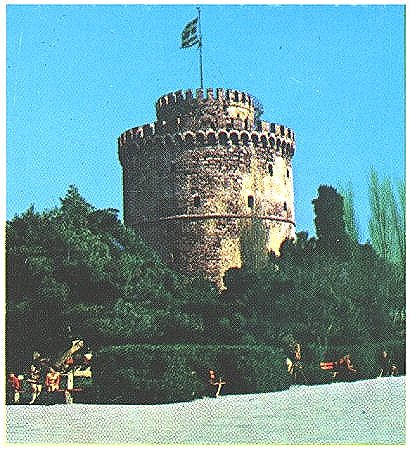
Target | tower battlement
(198,174)
(261,128)
(280,141)
(201,96)
(212,108)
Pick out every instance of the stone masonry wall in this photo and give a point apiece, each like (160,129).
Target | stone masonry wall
(192,179)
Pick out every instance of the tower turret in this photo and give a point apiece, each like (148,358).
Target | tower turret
(192,179)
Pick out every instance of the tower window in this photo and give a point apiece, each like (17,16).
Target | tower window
(287,173)
(251,201)
(197,202)
(285,206)
(270,169)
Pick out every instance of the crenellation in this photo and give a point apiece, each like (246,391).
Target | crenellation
(210,94)
(224,136)
(172,98)
(220,94)
(267,127)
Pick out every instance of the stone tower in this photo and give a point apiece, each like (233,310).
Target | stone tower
(202,170)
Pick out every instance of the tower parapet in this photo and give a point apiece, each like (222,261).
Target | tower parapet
(270,137)
(215,109)
(202,170)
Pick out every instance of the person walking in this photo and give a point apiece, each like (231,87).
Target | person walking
(35,383)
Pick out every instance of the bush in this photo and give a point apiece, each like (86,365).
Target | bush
(172,373)
(141,373)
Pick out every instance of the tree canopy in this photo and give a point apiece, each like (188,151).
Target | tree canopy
(77,271)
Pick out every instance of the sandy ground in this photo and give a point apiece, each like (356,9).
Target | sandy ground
(362,412)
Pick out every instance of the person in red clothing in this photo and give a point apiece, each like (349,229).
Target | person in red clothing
(14,388)
(52,380)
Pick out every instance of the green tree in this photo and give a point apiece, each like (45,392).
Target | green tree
(78,268)
(387,220)
(77,271)
(349,214)
(378,225)
(329,220)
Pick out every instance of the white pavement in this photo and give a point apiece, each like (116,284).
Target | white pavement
(361,412)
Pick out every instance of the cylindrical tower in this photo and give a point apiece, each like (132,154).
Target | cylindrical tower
(192,179)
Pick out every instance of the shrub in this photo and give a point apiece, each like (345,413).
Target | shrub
(172,373)
(141,373)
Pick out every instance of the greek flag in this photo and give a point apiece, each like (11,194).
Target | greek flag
(189,35)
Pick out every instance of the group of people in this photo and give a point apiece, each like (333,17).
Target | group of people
(46,376)
(40,374)
(341,369)
(43,374)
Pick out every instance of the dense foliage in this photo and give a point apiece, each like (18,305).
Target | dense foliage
(172,373)
(387,222)
(76,271)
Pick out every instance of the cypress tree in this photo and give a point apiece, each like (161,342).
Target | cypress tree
(349,214)
(329,221)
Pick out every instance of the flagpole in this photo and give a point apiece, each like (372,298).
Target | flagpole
(200,47)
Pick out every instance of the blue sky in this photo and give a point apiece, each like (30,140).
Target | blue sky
(79,75)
